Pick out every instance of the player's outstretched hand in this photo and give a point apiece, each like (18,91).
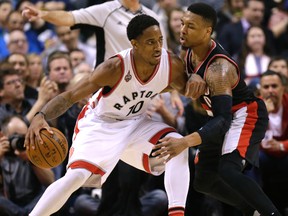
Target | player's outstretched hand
(38,123)
(170,147)
(195,86)
(32,13)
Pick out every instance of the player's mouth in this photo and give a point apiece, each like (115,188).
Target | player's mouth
(157,56)
(182,39)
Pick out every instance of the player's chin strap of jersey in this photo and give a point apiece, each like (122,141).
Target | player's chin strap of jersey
(220,123)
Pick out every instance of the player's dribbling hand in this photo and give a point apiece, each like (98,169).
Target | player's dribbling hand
(169,147)
(195,87)
(38,123)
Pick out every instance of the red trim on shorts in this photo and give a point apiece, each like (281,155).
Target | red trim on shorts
(176,211)
(86,165)
(248,128)
(154,140)
(80,116)
(238,106)
(160,133)
(146,165)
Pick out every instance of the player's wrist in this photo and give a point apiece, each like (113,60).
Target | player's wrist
(40,113)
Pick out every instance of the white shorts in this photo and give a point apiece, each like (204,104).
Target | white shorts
(99,144)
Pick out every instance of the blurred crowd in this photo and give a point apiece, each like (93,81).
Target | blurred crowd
(39,60)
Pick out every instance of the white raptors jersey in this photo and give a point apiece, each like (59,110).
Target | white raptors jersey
(130,97)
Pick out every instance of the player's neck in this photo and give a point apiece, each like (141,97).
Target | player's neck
(132,5)
(200,52)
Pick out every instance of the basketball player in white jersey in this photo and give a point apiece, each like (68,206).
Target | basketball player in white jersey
(113,17)
(114,126)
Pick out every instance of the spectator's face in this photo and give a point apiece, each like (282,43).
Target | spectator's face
(13,89)
(67,37)
(76,58)
(18,42)
(19,63)
(167,4)
(60,71)
(256,39)
(237,5)
(35,67)
(5,9)
(280,66)
(16,21)
(254,13)
(271,87)
(175,21)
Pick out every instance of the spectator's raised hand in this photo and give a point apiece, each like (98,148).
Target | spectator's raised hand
(48,89)
(4,145)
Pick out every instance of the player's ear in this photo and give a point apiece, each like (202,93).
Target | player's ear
(134,43)
(209,30)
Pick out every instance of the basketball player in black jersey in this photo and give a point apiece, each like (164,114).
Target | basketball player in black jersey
(230,139)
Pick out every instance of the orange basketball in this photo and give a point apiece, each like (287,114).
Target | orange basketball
(52,152)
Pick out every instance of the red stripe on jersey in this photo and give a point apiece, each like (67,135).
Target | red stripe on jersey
(136,73)
(84,164)
(248,128)
(120,79)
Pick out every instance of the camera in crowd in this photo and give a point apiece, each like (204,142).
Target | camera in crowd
(17,142)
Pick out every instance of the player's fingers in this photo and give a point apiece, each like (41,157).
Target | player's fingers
(49,129)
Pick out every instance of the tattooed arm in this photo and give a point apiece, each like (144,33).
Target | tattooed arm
(221,76)
(106,74)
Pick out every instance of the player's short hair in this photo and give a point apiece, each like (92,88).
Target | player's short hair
(138,24)
(207,12)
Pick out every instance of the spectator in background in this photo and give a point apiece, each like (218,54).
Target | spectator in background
(280,64)
(60,69)
(70,40)
(274,152)
(231,12)
(20,64)
(174,27)
(77,56)
(24,183)
(15,21)
(12,96)
(232,35)
(254,56)
(36,71)
(5,8)
(17,42)
(162,8)
(278,23)
(39,28)
(83,67)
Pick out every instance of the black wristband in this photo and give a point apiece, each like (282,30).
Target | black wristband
(40,113)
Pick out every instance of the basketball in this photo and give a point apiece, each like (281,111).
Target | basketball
(52,152)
